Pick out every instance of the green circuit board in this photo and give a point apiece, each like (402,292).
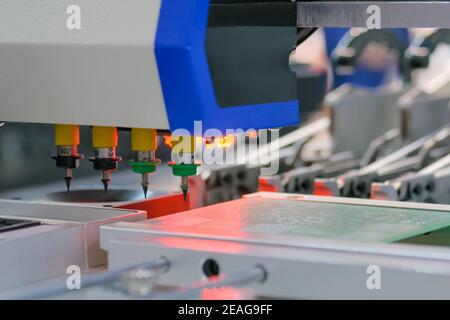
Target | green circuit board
(258,218)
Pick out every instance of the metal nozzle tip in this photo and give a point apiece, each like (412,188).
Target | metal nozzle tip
(185,186)
(105,185)
(68,180)
(68,174)
(106,180)
(145,184)
(145,190)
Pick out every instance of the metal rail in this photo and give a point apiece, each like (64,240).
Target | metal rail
(393,14)
(87,281)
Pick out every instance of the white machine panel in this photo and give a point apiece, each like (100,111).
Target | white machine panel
(102,73)
(65,235)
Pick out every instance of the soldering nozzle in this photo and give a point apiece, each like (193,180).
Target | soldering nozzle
(68,175)
(185,186)
(145,183)
(145,190)
(106,179)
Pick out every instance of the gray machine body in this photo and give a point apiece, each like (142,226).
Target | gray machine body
(104,73)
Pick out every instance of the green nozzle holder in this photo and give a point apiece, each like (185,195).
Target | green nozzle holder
(144,167)
(184,170)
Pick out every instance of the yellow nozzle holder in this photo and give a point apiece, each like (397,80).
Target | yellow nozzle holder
(104,137)
(184,144)
(143,139)
(67,135)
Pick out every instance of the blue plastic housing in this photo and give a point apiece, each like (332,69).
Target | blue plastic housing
(186,80)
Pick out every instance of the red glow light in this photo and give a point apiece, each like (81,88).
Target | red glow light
(226,141)
(222,293)
(168,141)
